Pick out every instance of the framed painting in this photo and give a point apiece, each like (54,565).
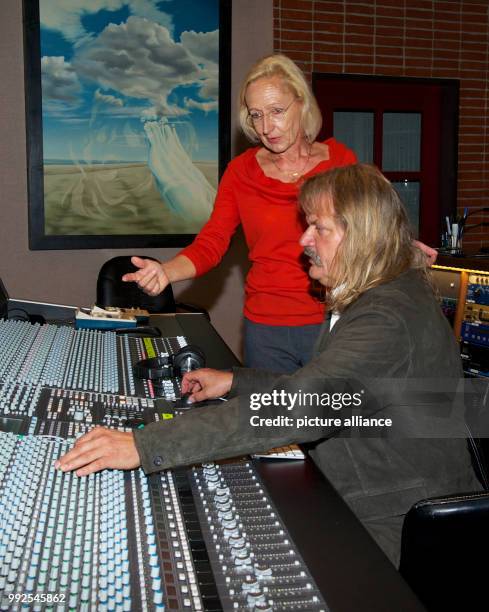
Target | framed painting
(127,113)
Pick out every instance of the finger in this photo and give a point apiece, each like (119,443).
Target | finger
(130,277)
(191,378)
(187,383)
(139,262)
(86,442)
(135,277)
(96,466)
(78,458)
(199,396)
(146,273)
(77,448)
(151,284)
(432,256)
(192,387)
(186,386)
(151,292)
(93,434)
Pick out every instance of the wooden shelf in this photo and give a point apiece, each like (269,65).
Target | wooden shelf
(466,263)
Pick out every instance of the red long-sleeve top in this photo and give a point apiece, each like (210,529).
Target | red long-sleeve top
(277,286)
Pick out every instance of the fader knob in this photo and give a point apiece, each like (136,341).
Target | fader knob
(225,515)
(236,540)
(224,505)
(250,584)
(222,493)
(231,530)
(255,596)
(262,570)
(241,556)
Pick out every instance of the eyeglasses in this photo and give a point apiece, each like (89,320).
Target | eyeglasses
(276,115)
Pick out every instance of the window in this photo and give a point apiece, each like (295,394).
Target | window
(406,127)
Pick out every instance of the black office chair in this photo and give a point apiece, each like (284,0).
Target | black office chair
(445,541)
(113,291)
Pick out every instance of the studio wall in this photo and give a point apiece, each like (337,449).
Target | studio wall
(446,39)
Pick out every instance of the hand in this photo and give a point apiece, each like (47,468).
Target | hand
(182,186)
(430,253)
(150,278)
(99,449)
(206,384)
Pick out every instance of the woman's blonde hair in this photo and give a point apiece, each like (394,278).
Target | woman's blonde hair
(281,66)
(377,245)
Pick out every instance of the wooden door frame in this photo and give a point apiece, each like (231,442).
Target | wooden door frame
(430,221)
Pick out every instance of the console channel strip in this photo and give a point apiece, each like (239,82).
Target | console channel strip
(207,539)
(89,360)
(34,409)
(475,327)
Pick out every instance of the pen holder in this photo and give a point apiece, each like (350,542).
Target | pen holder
(447,248)
(451,241)
(456,252)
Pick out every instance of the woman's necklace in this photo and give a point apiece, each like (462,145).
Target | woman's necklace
(295,176)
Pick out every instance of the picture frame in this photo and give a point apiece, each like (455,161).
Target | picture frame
(127,120)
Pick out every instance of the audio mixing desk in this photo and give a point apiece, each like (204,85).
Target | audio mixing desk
(240,535)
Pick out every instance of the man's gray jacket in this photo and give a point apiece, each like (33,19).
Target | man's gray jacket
(393,331)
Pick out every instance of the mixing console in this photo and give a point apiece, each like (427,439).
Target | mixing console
(89,360)
(208,539)
(203,539)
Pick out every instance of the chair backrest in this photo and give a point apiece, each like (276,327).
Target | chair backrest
(113,291)
(3,301)
(444,543)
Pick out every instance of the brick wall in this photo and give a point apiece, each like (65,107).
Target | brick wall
(412,38)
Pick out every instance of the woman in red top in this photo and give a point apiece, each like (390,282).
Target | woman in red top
(259,190)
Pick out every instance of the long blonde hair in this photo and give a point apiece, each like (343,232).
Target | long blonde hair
(281,66)
(377,245)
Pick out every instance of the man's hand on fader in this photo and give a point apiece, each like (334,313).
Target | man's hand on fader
(206,384)
(100,449)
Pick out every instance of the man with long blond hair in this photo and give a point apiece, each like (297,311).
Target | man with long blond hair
(385,332)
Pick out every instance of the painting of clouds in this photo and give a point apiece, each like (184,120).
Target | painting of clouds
(129,115)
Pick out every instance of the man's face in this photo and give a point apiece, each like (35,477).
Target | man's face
(320,242)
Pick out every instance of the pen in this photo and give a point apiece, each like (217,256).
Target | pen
(454,235)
